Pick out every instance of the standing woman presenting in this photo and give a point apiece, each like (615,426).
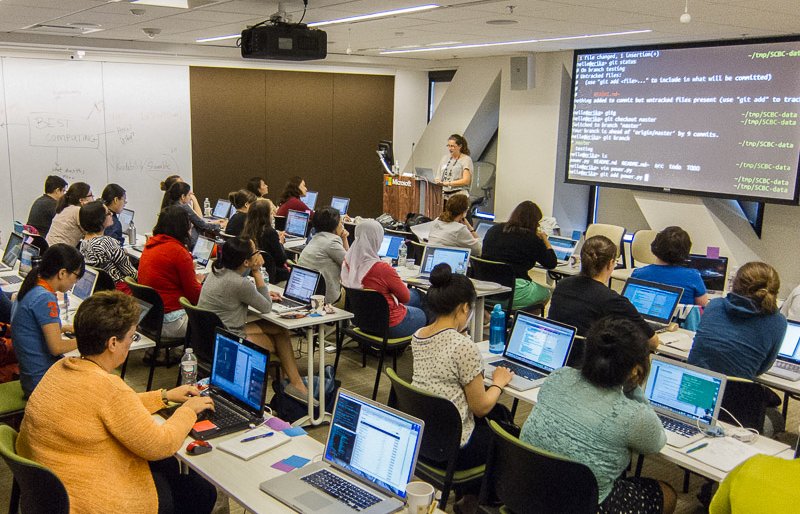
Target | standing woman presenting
(455,169)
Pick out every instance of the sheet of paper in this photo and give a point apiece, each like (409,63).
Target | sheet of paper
(724,453)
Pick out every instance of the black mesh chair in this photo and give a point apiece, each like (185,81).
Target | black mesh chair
(104,281)
(503,274)
(746,401)
(280,223)
(200,334)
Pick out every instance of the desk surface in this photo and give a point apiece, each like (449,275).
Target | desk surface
(485,289)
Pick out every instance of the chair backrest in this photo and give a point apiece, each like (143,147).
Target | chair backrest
(351,231)
(747,401)
(370,310)
(613,232)
(415,251)
(442,436)
(493,271)
(408,236)
(575,359)
(640,247)
(152,323)
(104,281)
(40,242)
(200,332)
(482,177)
(280,223)
(530,480)
(40,489)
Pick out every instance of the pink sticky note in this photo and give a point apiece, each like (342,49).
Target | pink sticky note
(278,424)
(282,466)
(712,252)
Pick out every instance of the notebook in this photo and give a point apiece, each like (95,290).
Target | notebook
(125,217)
(238,386)
(84,287)
(390,246)
(563,247)
(457,258)
(341,204)
(11,254)
(788,363)
(296,225)
(370,456)
(656,302)
(222,209)
(686,398)
(310,199)
(201,253)
(712,271)
(300,286)
(26,256)
(246,450)
(537,346)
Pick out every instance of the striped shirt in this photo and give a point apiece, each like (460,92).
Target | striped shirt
(105,253)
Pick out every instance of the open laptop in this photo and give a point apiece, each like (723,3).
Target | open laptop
(563,247)
(221,210)
(537,346)
(125,217)
(457,258)
(310,199)
(788,363)
(370,456)
(341,204)
(686,398)
(84,287)
(13,249)
(390,246)
(296,227)
(425,173)
(712,271)
(201,253)
(300,286)
(656,302)
(26,257)
(482,228)
(238,386)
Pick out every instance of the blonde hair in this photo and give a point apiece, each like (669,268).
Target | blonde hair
(760,282)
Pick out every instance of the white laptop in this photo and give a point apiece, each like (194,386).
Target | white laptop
(537,346)
(296,226)
(300,286)
(657,303)
(425,173)
(563,247)
(11,254)
(221,210)
(84,287)
(310,199)
(482,228)
(370,456)
(788,363)
(341,204)
(686,398)
(390,246)
(125,217)
(457,258)
(201,253)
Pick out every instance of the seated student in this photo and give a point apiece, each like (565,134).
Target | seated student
(671,248)
(102,251)
(762,484)
(115,199)
(167,266)
(228,292)
(521,243)
(167,183)
(258,187)
(180,193)
(43,208)
(451,228)
(36,316)
(363,269)
(583,299)
(97,434)
(241,201)
(5,306)
(326,250)
(599,416)
(66,227)
(448,364)
(290,199)
(258,227)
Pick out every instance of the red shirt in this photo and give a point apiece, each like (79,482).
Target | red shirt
(383,278)
(166,266)
(294,204)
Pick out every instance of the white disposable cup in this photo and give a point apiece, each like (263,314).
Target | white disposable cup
(410,263)
(419,496)
(318,303)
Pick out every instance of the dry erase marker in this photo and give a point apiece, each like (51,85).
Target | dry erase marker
(253,438)
(698,447)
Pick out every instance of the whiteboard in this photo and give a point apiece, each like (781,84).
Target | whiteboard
(6,208)
(93,122)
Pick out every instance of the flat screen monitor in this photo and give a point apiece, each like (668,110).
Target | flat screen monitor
(712,270)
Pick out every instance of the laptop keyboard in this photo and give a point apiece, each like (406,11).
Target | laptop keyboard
(657,327)
(223,415)
(679,427)
(788,366)
(520,370)
(341,489)
(12,279)
(289,303)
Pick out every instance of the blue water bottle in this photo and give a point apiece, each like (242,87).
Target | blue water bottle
(497,330)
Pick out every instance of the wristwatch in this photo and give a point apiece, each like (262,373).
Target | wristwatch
(164,398)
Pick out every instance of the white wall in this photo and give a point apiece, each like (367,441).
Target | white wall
(410,113)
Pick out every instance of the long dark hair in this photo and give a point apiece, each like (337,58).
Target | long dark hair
(254,184)
(57,257)
(259,218)
(614,346)
(292,189)
(73,196)
(167,182)
(448,290)
(525,216)
(174,193)
(461,142)
(111,192)
(234,252)
(174,221)
(241,197)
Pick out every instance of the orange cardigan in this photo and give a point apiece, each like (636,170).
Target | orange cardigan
(97,435)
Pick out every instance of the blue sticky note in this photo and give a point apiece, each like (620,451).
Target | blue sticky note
(296,461)
(314,315)
(294,431)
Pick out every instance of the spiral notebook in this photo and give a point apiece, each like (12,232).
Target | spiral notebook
(250,449)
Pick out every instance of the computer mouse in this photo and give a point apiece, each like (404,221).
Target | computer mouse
(198,447)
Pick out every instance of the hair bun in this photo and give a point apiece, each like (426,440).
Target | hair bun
(441,275)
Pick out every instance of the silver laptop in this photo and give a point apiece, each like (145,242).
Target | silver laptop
(425,173)
(482,228)
(788,363)
(686,398)
(457,258)
(341,204)
(563,247)
(11,254)
(369,458)
(26,256)
(125,217)
(657,303)
(300,286)
(296,226)
(201,253)
(537,346)
(84,287)
(310,199)
(221,210)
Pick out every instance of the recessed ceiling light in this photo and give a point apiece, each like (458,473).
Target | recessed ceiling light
(502,21)
(379,14)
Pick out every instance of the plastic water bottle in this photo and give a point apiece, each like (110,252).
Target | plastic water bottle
(131,233)
(497,330)
(402,255)
(265,275)
(461,271)
(189,367)
(207,208)
(731,275)
(66,306)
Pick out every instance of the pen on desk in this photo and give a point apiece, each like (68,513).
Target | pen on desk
(253,438)
(698,447)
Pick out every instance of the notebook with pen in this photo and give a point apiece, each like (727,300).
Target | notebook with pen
(253,442)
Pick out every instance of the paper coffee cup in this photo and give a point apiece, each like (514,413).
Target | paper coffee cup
(419,496)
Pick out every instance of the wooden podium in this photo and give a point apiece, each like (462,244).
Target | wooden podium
(402,195)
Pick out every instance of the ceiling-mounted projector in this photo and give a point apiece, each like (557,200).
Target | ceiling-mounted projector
(285,42)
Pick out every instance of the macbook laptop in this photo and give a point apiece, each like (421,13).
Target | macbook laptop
(370,456)
(390,247)
(26,257)
(125,217)
(221,210)
(296,226)
(686,398)
(482,228)
(712,271)
(425,173)
(201,253)
(341,204)
(656,302)
(238,386)
(788,363)
(13,249)
(300,286)
(537,346)
(457,258)
(564,248)
(84,287)
(310,199)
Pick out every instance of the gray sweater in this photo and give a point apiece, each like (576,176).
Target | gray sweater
(229,294)
(325,253)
